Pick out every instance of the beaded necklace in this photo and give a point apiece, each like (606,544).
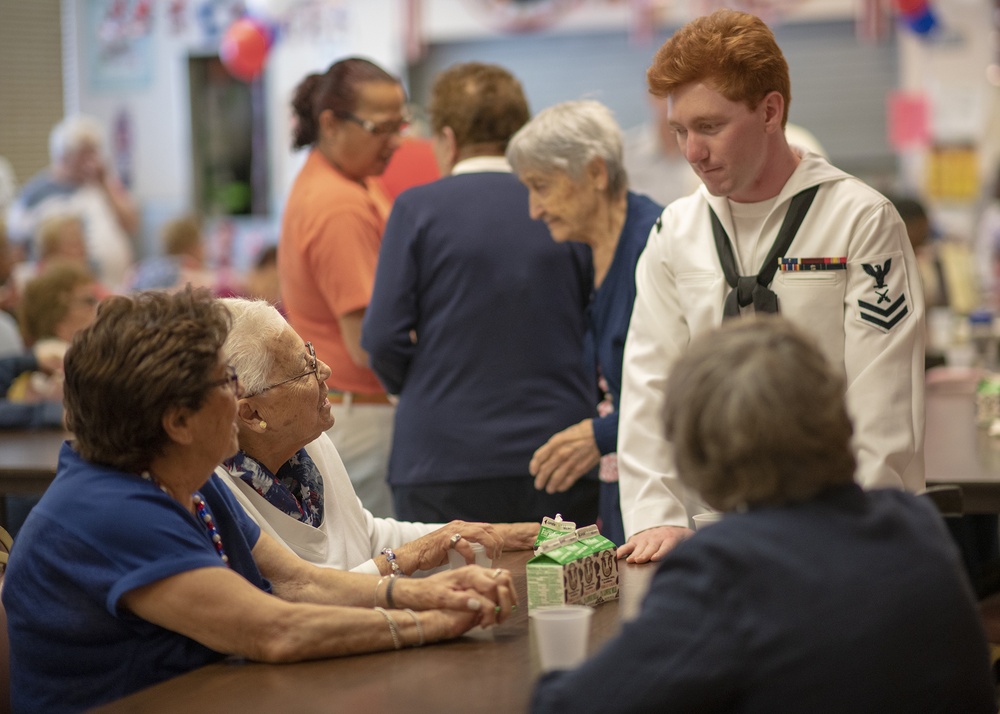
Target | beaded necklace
(203,514)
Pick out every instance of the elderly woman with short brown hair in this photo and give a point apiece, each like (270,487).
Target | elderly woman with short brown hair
(137,564)
(810,594)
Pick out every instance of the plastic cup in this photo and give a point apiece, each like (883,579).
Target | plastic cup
(702,520)
(457,560)
(561,635)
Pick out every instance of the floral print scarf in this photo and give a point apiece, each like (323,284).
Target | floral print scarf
(297,488)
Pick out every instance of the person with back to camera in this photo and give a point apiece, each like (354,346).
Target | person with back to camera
(810,594)
(350,117)
(138,565)
(772,228)
(570,158)
(477,322)
(290,479)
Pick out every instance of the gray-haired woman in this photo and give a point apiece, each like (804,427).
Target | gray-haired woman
(810,594)
(570,158)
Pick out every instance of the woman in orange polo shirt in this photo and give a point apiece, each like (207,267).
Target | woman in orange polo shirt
(350,117)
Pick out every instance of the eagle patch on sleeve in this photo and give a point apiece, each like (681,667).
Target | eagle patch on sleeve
(879,291)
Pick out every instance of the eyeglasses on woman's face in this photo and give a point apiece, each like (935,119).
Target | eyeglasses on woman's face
(313,369)
(380,129)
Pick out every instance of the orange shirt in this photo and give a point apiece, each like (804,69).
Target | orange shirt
(330,237)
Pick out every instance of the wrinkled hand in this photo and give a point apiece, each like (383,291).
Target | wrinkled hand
(446,624)
(653,544)
(467,590)
(431,550)
(565,457)
(518,536)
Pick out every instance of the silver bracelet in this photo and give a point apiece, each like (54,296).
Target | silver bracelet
(377,586)
(420,628)
(388,593)
(393,629)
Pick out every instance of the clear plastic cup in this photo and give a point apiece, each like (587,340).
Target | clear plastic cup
(457,560)
(561,635)
(705,519)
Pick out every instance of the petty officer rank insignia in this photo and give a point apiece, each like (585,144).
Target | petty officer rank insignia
(881,295)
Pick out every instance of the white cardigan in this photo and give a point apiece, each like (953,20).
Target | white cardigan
(349,536)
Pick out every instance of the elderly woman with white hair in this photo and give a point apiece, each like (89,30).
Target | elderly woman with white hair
(79,181)
(570,158)
(289,477)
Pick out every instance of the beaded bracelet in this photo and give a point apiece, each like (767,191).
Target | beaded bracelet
(420,628)
(393,628)
(377,586)
(390,558)
(388,593)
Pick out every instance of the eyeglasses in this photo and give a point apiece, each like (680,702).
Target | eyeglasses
(313,369)
(382,129)
(230,380)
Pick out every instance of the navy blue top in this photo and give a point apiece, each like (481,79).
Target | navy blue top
(96,534)
(24,415)
(498,309)
(851,602)
(611,309)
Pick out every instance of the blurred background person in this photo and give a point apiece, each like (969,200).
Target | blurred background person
(56,304)
(288,476)
(79,180)
(987,245)
(350,118)
(654,163)
(477,322)
(181,262)
(11,342)
(36,413)
(570,158)
(58,239)
(948,273)
(413,164)
(810,594)
(262,280)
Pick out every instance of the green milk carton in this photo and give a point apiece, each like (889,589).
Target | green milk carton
(575,568)
(553,528)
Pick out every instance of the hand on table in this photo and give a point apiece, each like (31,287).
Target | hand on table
(653,544)
(518,536)
(565,457)
(431,550)
(488,595)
